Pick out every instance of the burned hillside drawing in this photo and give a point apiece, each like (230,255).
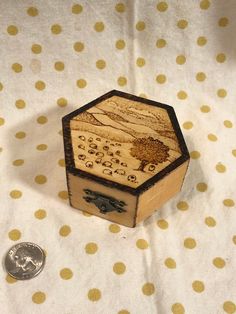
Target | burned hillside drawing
(124,141)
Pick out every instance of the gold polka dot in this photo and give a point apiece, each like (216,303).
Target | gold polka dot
(195,154)
(94,294)
(17,67)
(91,248)
(40,179)
(220,167)
(140,62)
(142,244)
(56,29)
(177,308)
(20,135)
(120,7)
(77,9)
(170,263)
(40,213)
(41,147)
(36,48)
(190,243)
(81,83)
(114,228)
(234,152)
(234,239)
(182,205)
(39,297)
(198,286)
(223,21)
(14,234)
(99,26)
(205,4)
(201,41)
(205,109)
(12,30)
(18,162)
(123,312)
(42,120)
(119,268)
(63,195)
(122,81)
(221,93)
(32,11)
(182,95)
(62,102)
(78,46)
(120,44)
(229,307)
(228,124)
(181,59)
(2,121)
(140,26)
(20,104)
(187,125)
(201,187)
(161,43)
(65,231)
(86,214)
(162,6)
(59,66)
(162,224)
(10,279)
(221,58)
(212,137)
(143,95)
(1,86)
(200,76)
(210,221)
(15,194)
(182,24)
(40,85)
(101,64)
(61,162)
(161,78)
(148,288)
(66,273)
(218,262)
(228,202)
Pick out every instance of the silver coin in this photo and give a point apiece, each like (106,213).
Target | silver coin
(24,260)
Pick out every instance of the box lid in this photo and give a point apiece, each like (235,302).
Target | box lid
(124,141)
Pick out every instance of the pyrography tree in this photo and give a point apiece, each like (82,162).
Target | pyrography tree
(149,150)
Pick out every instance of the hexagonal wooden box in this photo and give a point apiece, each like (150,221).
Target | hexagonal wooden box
(125,157)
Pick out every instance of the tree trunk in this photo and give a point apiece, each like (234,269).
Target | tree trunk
(142,165)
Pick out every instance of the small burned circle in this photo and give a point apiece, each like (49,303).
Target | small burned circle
(81,157)
(82,138)
(107,164)
(89,164)
(107,171)
(120,171)
(91,151)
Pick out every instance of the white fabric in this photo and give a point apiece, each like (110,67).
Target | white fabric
(202,277)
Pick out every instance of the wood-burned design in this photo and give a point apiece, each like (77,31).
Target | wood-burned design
(125,157)
(123,140)
(104,203)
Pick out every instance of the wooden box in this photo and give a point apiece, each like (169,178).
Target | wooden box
(125,157)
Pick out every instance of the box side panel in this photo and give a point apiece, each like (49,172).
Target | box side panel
(93,198)
(161,192)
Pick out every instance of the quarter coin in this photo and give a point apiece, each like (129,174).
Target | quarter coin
(24,260)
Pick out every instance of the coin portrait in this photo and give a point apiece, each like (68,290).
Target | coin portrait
(24,260)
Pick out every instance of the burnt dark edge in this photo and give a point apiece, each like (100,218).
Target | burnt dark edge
(69,159)
(136,212)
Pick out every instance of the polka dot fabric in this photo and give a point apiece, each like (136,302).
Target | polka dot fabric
(57,56)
